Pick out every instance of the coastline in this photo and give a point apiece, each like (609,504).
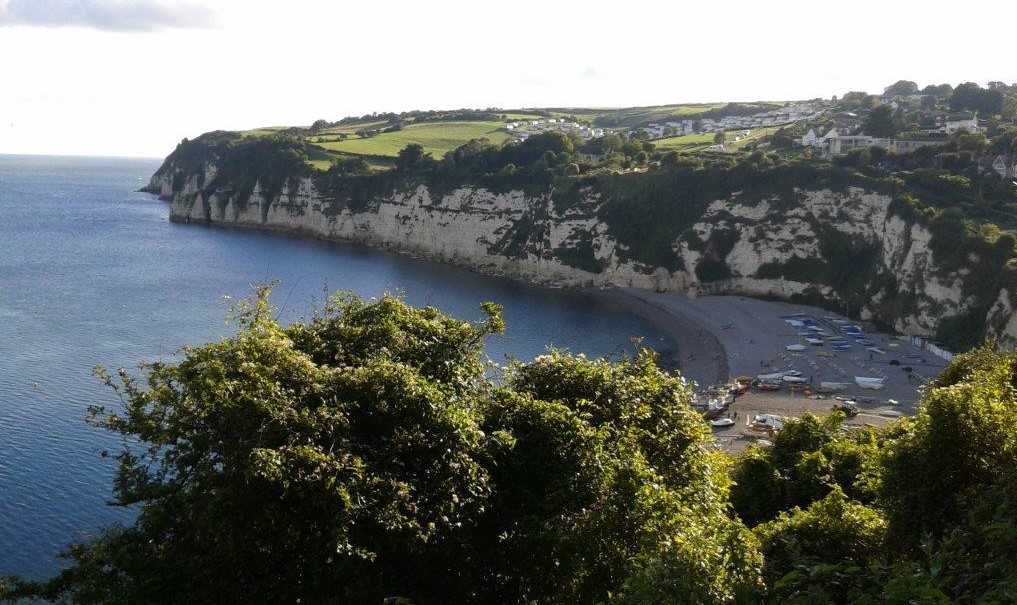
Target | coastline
(716,337)
(703,358)
(721,337)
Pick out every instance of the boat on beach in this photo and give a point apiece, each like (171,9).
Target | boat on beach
(766,422)
(869,382)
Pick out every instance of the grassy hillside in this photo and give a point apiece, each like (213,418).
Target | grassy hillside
(378,138)
(633,116)
(437,138)
(692,143)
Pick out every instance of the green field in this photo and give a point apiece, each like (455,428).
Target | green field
(685,143)
(632,116)
(440,137)
(262,132)
(516,116)
(352,129)
(754,136)
(437,138)
(691,143)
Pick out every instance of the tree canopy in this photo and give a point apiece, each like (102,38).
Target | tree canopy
(363,455)
(368,455)
(881,122)
(901,88)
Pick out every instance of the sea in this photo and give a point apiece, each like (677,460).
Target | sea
(92,272)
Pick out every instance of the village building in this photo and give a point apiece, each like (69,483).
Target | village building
(840,145)
(955,122)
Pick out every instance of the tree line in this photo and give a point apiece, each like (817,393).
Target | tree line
(366,455)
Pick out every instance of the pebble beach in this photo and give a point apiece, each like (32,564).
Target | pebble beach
(723,337)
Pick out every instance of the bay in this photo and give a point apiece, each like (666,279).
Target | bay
(92,272)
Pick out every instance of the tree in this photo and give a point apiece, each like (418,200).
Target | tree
(901,88)
(962,440)
(942,91)
(363,455)
(410,156)
(972,97)
(719,138)
(611,142)
(347,165)
(809,459)
(833,530)
(881,122)
(975,142)
(1008,112)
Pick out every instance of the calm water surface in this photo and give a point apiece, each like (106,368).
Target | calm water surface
(92,272)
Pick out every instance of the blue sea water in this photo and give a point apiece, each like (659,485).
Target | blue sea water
(92,272)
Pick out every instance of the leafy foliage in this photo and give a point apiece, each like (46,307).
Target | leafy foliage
(363,455)
(809,459)
(831,531)
(961,442)
(921,513)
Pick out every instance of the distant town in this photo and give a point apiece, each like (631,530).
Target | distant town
(825,128)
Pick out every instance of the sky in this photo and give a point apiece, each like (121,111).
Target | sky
(134,77)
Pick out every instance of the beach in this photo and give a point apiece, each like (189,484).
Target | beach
(723,337)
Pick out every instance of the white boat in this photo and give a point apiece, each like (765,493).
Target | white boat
(876,350)
(770,377)
(767,422)
(721,422)
(794,380)
(868,382)
(795,347)
(834,386)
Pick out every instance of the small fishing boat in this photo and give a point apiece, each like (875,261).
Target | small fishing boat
(868,382)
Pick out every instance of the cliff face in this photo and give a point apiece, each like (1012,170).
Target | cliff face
(835,246)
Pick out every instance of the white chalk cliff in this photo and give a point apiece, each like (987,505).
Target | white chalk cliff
(525,236)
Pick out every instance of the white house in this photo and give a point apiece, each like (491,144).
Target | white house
(810,138)
(841,145)
(1003,166)
(961,121)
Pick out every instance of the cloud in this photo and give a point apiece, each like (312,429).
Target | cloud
(590,74)
(107,15)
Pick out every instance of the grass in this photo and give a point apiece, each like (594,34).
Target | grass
(262,132)
(754,136)
(352,129)
(632,116)
(437,138)
(685,143)
(692,143)
(516,116)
